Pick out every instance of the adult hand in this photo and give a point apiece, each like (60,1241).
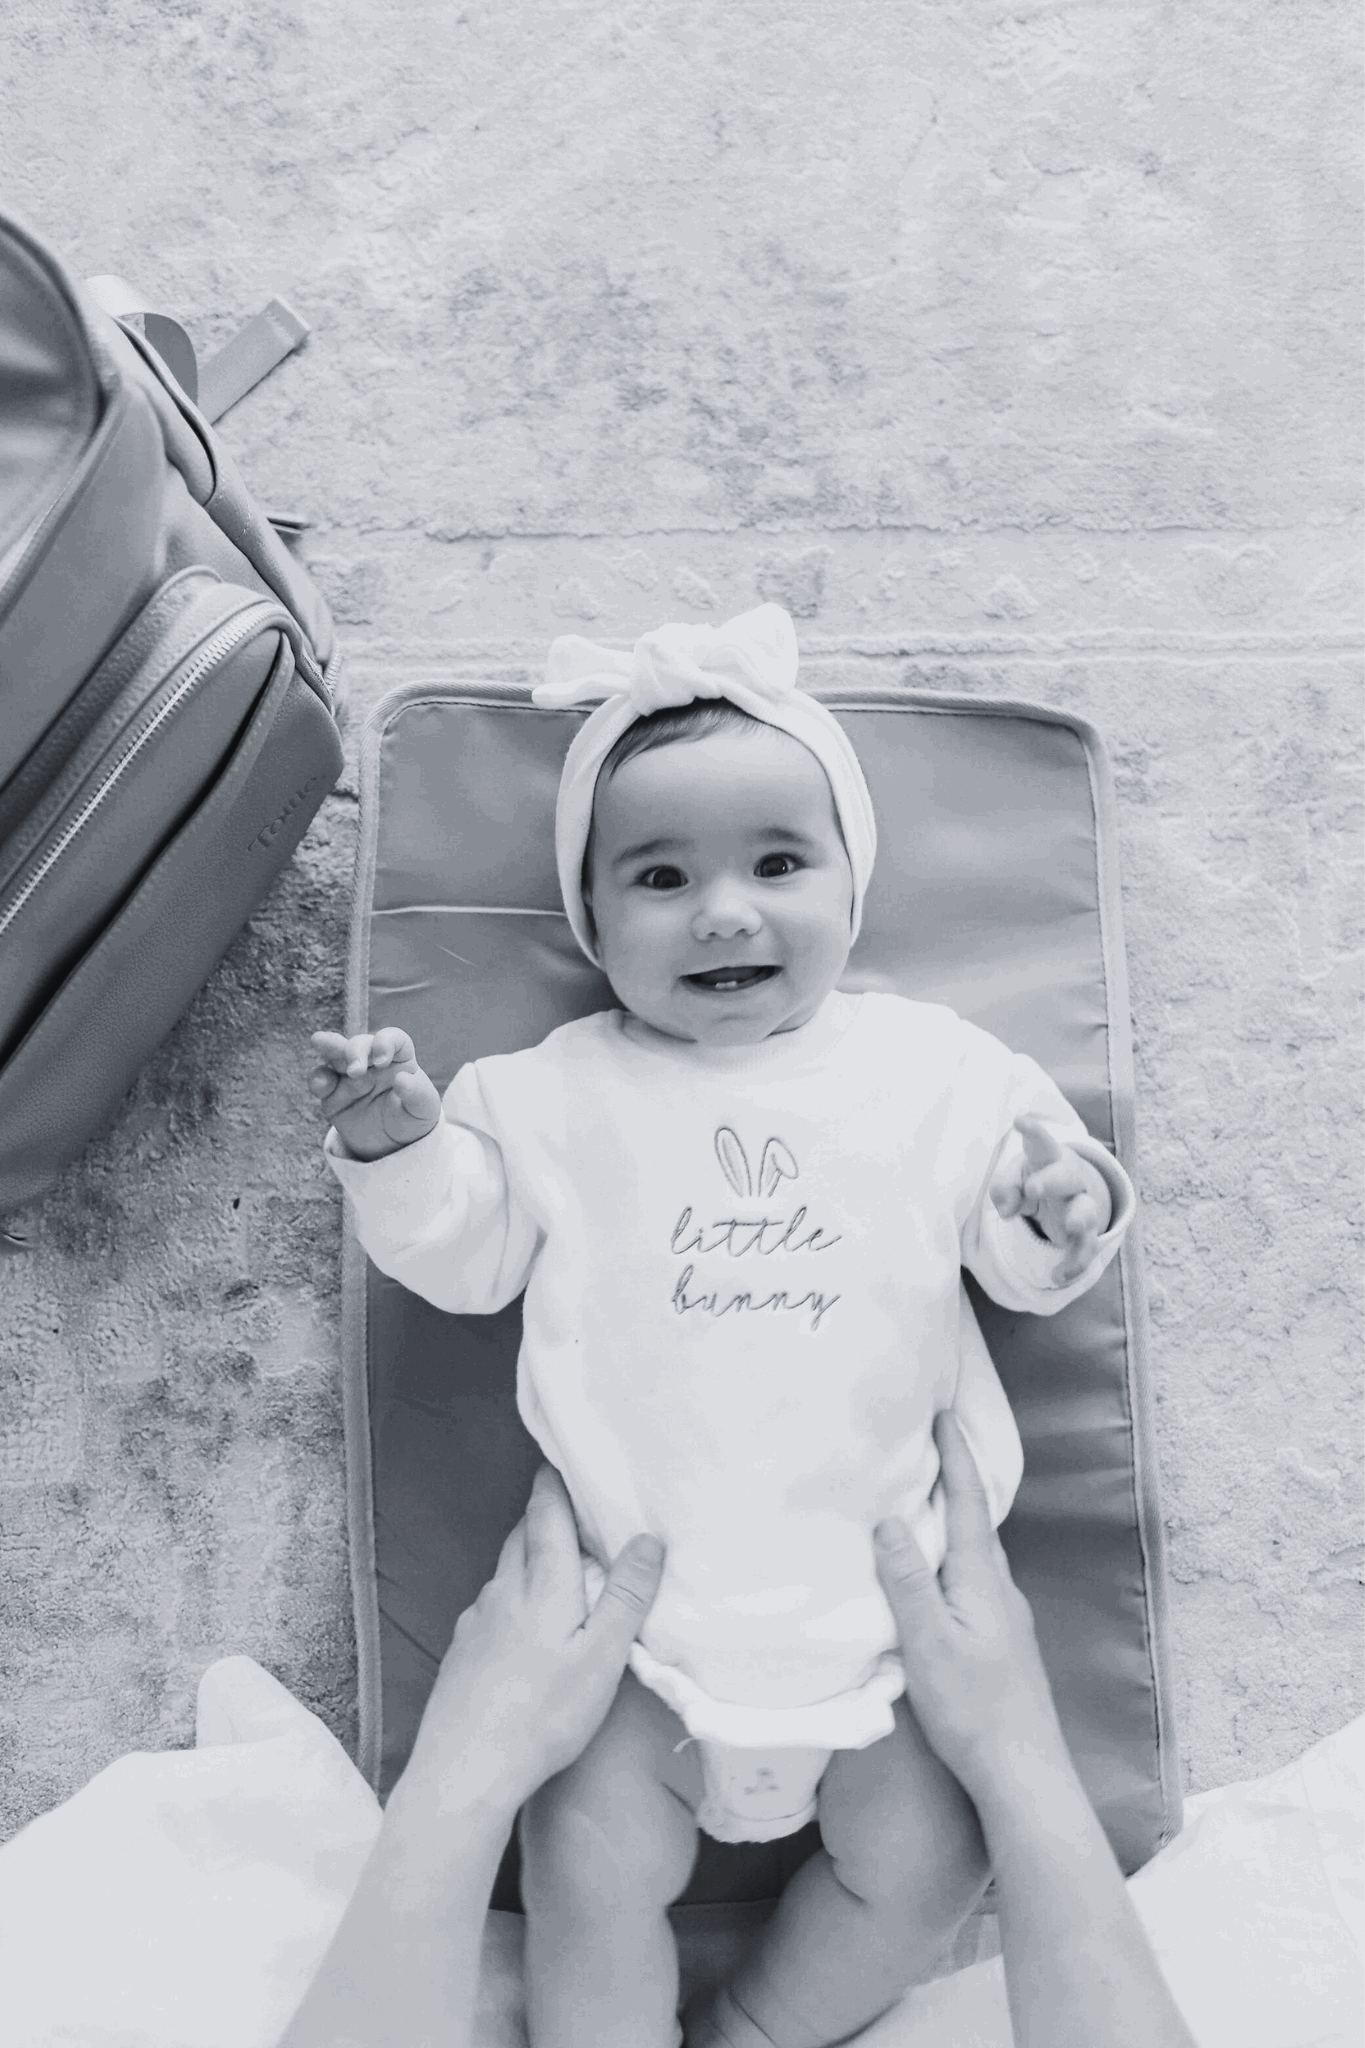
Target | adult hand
(529,1674)
(1079,1971)
(526,1682)
(973,1675)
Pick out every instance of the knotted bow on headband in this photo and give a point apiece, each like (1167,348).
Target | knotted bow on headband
(677,664)
(751,662)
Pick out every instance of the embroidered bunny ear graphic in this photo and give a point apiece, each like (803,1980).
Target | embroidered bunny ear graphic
(733,1162)
(778,1165)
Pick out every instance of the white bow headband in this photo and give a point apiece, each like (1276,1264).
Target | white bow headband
(751,662)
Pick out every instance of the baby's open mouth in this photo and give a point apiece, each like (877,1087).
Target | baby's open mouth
(726,980)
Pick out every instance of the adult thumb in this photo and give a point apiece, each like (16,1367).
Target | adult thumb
(629,1592)
(908,1580)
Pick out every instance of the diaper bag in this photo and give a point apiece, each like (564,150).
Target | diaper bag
(167,729)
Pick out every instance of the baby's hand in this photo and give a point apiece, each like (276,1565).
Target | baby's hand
(1064,1194)
(373,1090)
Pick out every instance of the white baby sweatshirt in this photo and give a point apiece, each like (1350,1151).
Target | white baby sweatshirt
(743,1310)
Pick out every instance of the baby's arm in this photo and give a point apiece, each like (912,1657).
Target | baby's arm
(1063,1197)
(426,1179)
(1046,1187)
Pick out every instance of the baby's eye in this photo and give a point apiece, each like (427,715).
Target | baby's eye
(774,865)
(663,878)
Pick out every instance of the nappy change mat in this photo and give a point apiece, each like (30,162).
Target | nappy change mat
(995,892)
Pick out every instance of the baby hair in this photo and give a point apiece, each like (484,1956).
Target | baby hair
(680,722)
(671,727)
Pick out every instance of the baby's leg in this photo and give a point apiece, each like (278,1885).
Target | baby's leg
(902,1865)
(606,1847)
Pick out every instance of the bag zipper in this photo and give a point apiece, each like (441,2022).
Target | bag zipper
(219,644)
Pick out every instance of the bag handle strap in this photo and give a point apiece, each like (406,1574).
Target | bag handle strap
(167,336)
(233,370)
(252,353)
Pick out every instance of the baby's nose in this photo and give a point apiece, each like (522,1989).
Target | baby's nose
(727,912)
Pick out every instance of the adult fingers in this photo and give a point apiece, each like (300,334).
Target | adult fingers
(908,1580)
(511,1562)
(552,1536)
(626,1599)
(971,1533)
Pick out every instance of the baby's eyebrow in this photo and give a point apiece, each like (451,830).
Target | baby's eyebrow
(788,834)
(766,835)
(644,846)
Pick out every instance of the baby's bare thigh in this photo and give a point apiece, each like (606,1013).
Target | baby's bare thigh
(622,1814)
(894,1818)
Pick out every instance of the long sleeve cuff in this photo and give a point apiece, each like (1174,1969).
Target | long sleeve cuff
(405,1187)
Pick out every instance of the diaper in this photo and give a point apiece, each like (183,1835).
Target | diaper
(846,1720)
(757,1795)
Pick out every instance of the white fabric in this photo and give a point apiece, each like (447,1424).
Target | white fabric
(757,1795)
(185,1900)
(751,662)
(1256,1912)
(743,1310)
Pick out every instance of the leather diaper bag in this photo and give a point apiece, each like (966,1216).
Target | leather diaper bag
(166,727)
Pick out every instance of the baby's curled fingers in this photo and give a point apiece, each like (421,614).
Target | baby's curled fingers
(410,1090)
(1014,1188)
(391,1047)
(1042,1146)
(356,1055)
(1078,1257)
(1073,1225)
(333,1048)
(322,1082)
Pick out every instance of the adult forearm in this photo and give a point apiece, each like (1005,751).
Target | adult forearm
(402,1970)
(1079,1970)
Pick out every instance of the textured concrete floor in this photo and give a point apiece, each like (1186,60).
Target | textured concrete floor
(1014,348)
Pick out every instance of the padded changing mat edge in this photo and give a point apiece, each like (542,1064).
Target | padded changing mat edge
(356,1405)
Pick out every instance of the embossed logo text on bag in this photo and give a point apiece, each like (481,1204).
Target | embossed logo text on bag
(269,833)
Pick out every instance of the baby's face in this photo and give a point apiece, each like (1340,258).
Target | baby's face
(721,892)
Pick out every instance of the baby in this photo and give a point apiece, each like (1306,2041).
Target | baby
(739,1206)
